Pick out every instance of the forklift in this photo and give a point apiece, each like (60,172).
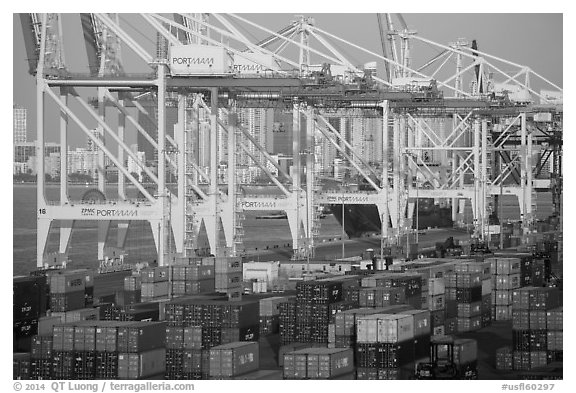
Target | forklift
(442,365)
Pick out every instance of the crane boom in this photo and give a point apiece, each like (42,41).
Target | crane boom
(383,42)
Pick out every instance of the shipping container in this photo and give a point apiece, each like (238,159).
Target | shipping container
(422,322)
(141,337)
(155,289)
(228,265)
(554,319)
(395,328)
(21,366)
(29,297)
(555,340)
(436,286)
(155,274)
(234,359)
(508,282)
(469,324)
(132,283)
(535,298)
(465,349)
(41,347)
(504,359)
(367,329)
(141,365)
(70,281)
(271,306)
(437,302)
(503,313)
(469,310)
(68,301)
(106,365)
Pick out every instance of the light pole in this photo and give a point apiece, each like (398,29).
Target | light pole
(417,226)
(500,217)
(343,231)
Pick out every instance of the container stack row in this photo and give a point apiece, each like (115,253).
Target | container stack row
(99,350)
(434,293)
(319,363)
(146,311)
(317,301)
(411,283)
(346,323)
(197,324)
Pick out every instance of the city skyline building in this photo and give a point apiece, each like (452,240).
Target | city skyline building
(20,124)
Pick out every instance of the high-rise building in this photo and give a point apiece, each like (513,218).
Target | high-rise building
(366,138)
(83,161)
(281,133)
(259,123)
(149,123)
(134,167)
(20,114)
(98,134)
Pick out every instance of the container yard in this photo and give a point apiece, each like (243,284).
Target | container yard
(376,324)
(449,265)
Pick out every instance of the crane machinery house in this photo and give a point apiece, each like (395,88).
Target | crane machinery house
(190,60)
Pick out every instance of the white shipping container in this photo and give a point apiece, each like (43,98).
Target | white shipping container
(188,60)
(367,329)
(395,328)
(436,286)
(543,116)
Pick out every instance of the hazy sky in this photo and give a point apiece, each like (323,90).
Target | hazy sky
(534,40)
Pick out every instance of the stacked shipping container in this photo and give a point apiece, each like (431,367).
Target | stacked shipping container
(132,291)
(233,359)
(155,284)
(228,275)
(317,302)
(536,327)
(463,302)
(270,315)
(30,301)
(410,282)
(506,277)
(192,279)
(197,324)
